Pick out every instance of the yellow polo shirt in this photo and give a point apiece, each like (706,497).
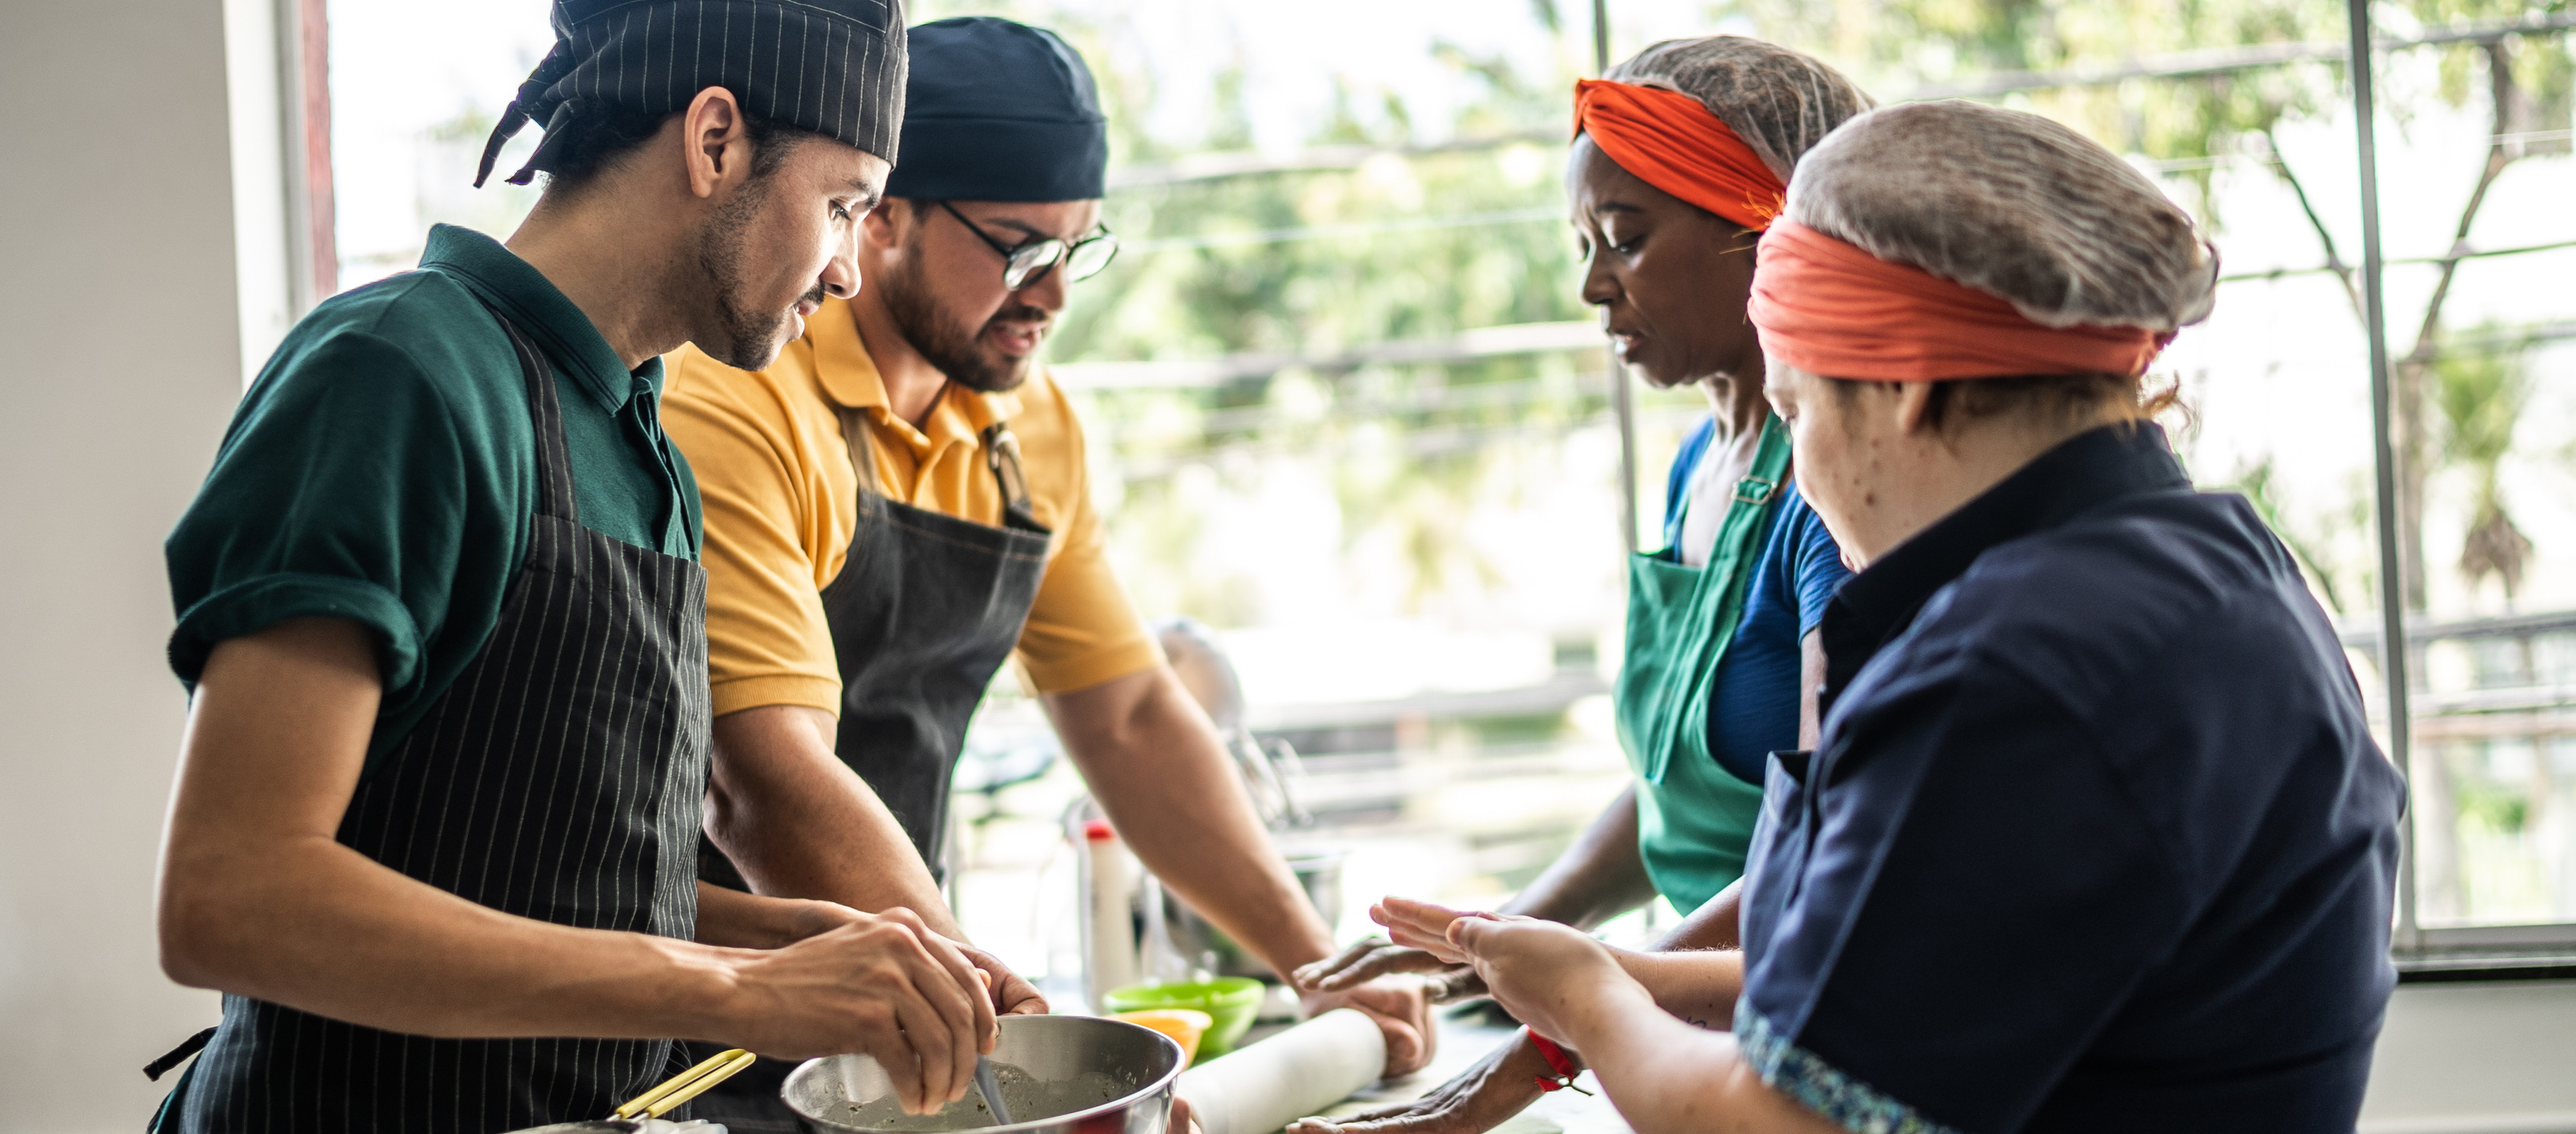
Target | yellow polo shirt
(781,499)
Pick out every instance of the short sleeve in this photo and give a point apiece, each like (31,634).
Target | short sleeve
(340,491)
(1083,629)
(1818,566)
(1976,896)
(768,549)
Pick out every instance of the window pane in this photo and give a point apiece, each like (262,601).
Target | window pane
(1345,407)
(2277,379)
(415,89)
(2485,365)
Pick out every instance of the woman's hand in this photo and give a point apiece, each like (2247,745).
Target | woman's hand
(1554,978)
(1423,926)
(1374,957)
(1500,1085)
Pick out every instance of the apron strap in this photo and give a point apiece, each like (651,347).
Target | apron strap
(854,433)
(178,1055)
(1001,456)
(554,458)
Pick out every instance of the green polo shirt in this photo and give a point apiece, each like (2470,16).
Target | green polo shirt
(383,470)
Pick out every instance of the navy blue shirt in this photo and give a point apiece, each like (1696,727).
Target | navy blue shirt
(1754,706)
(2096,838)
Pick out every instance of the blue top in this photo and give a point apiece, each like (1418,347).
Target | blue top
(1755,709)
(2096,838)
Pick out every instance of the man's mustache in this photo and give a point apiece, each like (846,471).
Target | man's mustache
(1021,313)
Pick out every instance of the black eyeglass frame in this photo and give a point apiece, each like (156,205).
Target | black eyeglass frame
(1030,262)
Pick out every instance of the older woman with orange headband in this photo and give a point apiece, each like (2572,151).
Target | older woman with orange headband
(2096,838)
(1680,160)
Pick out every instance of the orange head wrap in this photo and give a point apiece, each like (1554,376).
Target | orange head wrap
(1673,143)
(1829,308)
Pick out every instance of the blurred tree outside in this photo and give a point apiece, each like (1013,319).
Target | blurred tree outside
(1405,246)
(2481,398)
(1451,225)
(2189,124)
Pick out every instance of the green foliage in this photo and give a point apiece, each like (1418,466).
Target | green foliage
(2481,397)
(1897,47)
(2491,806)
(1312,262)
(1209,274)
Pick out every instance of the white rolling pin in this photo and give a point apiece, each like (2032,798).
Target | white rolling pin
(1259,1088)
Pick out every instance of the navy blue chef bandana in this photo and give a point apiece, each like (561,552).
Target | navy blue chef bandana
(999,111)
(2096,840)
(830,67)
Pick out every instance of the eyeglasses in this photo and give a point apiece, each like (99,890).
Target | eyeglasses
(1030,262)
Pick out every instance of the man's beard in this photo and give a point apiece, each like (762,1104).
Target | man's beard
(751,338)
(956,351)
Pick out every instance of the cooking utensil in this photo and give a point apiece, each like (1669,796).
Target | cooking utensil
(1058,1075)
(984,1084)
(992,1091)
(1286,1077)
(686,1085)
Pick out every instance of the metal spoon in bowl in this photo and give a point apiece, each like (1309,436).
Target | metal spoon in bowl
(984,1083)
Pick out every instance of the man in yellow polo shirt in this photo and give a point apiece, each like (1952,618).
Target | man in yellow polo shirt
(899,503)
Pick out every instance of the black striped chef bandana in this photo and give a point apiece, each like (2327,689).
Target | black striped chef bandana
(833,67)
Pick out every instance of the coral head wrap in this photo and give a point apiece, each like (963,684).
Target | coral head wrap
(1670,141)
(1829,308)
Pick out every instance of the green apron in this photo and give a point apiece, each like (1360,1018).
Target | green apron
(1695,819)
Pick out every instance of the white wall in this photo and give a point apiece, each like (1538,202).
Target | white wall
(119,313)
(2481,1058)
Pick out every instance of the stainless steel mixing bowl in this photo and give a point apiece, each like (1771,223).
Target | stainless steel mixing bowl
(1051,1068)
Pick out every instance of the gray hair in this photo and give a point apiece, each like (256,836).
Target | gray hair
(1781,102)
(2014,205)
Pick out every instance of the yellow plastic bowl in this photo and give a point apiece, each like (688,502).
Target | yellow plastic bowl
(1230,1003)
(1184,1025)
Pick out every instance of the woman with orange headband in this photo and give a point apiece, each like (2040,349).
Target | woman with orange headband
(1679,162)
(2096,838)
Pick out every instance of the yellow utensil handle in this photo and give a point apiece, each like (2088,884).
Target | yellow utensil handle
(686,1085)
(702,1086)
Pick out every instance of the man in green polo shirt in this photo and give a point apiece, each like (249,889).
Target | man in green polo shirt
(439,606)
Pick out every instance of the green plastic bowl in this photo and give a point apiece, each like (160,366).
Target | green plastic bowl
(1230,1002)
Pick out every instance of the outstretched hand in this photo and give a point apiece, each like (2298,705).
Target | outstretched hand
(1422,925)
(1552,977)
(1373,957)
(1543,973)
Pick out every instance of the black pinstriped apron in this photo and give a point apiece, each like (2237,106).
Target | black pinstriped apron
(926,608)
(560,779)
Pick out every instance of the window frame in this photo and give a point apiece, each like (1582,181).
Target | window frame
(2415,946)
